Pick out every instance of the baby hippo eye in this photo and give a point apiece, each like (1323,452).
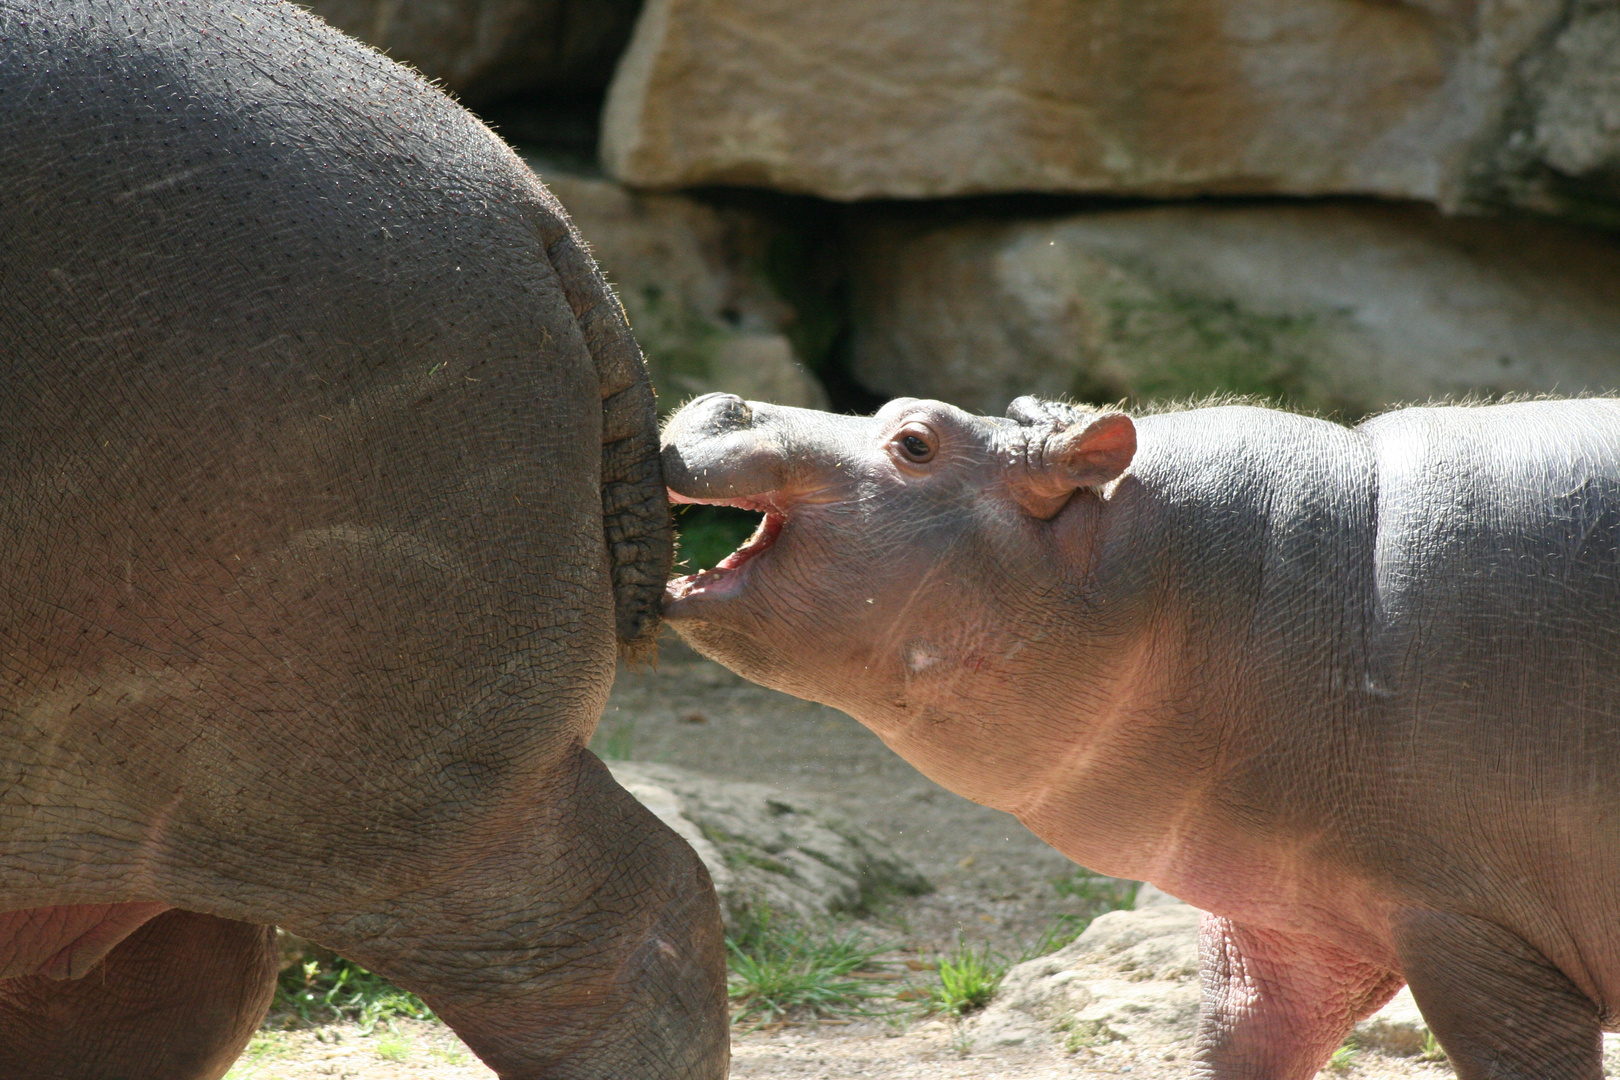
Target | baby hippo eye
(915,443)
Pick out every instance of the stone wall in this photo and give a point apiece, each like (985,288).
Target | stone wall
(693,279)
(1338,307)
(484,50)
(1456,101)
(1311,187)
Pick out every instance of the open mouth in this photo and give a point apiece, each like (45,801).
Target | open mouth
(725,577)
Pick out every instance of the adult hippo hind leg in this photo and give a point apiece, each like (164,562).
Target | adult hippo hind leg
(1500,1009)
(628,976)
(627,983)
(178,999)
(338,495)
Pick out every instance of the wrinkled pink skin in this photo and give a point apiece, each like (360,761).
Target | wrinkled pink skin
(1243,661)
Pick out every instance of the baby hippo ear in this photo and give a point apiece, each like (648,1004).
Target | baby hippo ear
(1086,454)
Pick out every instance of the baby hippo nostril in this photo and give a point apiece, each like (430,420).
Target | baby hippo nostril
(732,412)
(718,413)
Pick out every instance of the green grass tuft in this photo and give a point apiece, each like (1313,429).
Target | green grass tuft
(968,979)
(319,990)
(782,970)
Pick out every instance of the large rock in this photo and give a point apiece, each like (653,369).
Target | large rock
(1398,1029)
(486,49)
(1558,147)
(689,275)
(1333,306)
(1450,100)
(762,846)
(1132,976)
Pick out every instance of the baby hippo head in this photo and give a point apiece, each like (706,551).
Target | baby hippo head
(912,568)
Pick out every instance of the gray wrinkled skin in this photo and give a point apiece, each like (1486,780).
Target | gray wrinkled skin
(329,490)
(1356,693)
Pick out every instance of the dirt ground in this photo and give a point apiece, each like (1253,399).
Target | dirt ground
(993,884)
(929,1049)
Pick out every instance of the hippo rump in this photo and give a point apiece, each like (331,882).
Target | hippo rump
(330,483)
(1353,692)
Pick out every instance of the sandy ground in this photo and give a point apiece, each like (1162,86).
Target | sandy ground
(993,885)
(929,1049)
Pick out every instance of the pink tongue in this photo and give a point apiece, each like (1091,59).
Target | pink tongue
(66,941)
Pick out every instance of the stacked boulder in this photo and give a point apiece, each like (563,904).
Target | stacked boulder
(771,853)
(692,280)
(486,50)
(1312,165)
(1461,102)
(1342,307)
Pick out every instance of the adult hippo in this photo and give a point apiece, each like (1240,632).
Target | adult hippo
(329,478)
(1355,693)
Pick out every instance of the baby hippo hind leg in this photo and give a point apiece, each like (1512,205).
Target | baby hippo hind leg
(1277,1005)
(1499,1008)
(581,941)
(176,1000)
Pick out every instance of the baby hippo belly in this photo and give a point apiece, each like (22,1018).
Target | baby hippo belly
(65,942)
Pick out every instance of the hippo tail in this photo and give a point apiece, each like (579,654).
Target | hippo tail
(635,507)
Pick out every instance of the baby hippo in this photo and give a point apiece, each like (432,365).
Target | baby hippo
(1353,692)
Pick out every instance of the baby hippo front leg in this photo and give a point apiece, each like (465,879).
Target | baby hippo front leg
(1276,1005)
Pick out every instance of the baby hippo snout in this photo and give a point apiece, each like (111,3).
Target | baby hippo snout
(713,450)
(720,448)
